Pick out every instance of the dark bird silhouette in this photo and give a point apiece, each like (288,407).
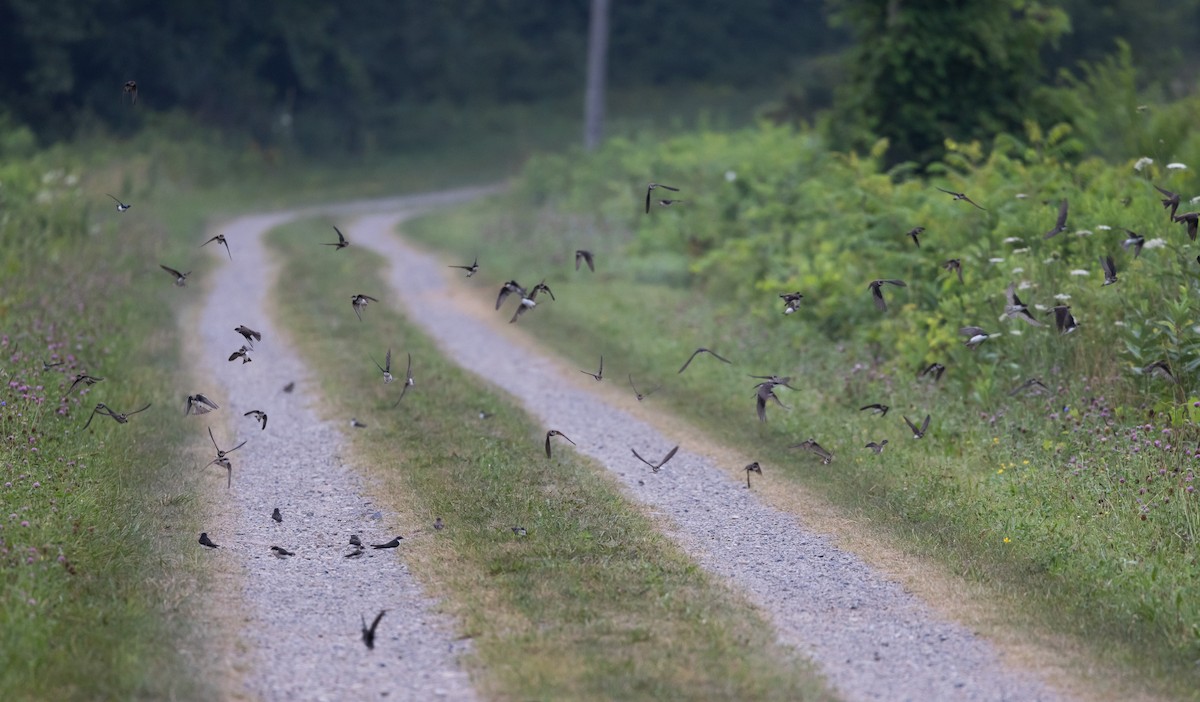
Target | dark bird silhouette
(242,353)
(773,380)
(520,531)
(394,543)
(1161,369)
(408,382)
(655,467)
(915,235)
(48,366)
(1137,241)
(962,196)
(289,387)
(752,468)
(227,464)
(199,404)
(598,375)
(130,89)
(918,433)
(1191,219)
(813,447)
(975,336)
(357,424)
(877,447)
(641,395)
(259,416)
(934,369)
(1110,269)
(119,418)
(359,303)
(791,302)
(507,289)
(954,265)
(205,541)
(368,633)
(354,553)
(220,239)
(341,243)
(180,278)
(876,408)
(1034,384)
(1170,201)
(471,269)
(277,516)
(699,351)
(552,433)
(765,391)
(248,334)
(668,203)
(651,188)
(85,379)
(529,301)
(585,256)
(877,294)
(220,453)
(438,524)
(355,541)
(121,207)
(386,369)
(1063,319)
(281,552)
(1060,225)
(1013,306)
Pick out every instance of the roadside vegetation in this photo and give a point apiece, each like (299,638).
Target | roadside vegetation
(1074,504)
(592,602)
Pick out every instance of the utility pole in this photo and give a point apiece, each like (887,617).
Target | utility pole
(597,60)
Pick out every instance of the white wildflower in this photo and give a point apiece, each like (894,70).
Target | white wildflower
(72,180)
(1023,249)
(1048,261)
(1142,163)
(1176,166)
(1119,323)
(1080,271)
(995,260)
(1024,285)
(730,176)
(1040,308)
(1014,332)
(1062,297)
(1154,243)
(1018,269)
(1195,200)
(43,197)
(1103,227)
(1021,196)
(1083,232)
(1013,240)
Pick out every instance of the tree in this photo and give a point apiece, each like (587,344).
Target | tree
(923,71)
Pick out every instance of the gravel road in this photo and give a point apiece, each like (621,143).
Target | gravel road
(302,632)
(872,639)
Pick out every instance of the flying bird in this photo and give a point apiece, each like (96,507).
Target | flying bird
(368,633)
(354,423)
(394,543)
(359,303)
(877,294)
(1034,384)
(385,369)
(668,203)
(655,467)
(598,375)
(121,207)
(408,382)
(130,89)
(1110,269)
(915,234)
(529,301)
(812,446)
(341,243)
(1015,308)
(918,433)
(934,369)
(119,418)
(773,380)
(876,408)
(471,269)
(752,468)
(791,302)
(954,265)
(1161,369)
(259,416)
(85,379)
(877,447)
(1170,201)
(975,336)
(205,541)
(1191,219)
(220,453)
(199,404)
(585,256)
(48,366)
(699,351)
(248,334)
(766,391)
(1137,241)
(1063,319)
(220,239)
(962,196)
(1060,225)
(641,395)
(180,278)
(508,288)
(277,516)
(651,188)
(553,433)
(242,353)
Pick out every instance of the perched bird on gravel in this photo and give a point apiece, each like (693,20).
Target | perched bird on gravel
(1060,225)
(121,207)
(975,336)
(877,294)
(918,433)
(368,633)
(1110,269)
(585,256)
(259,416)
(598,375)
(355,541)
(391,544)
(1137,241)
(791,301)
(103,409)
(641,395)
(85,379)
(915,235)
(655,467)
(701,350)
(962,196)
(220,239)
(341,243)
(199,404)
(386,369)
(180,278)
(954,265)
(281,552)
(408,382)
(1034,384)
(242,353)
(553,433)
(248,334)
(812,446)
(359,303)
(205,541)
(877,447)
(277,516)
(752,468)
(654,186)
(1013,306)
(876,408)
(471,269)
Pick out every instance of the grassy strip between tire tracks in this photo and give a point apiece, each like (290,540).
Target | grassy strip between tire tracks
(993,495)
(594,603)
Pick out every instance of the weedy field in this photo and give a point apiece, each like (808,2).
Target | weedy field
(1074,502)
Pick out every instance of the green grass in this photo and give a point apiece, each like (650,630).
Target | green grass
(594,603)
(1012,494)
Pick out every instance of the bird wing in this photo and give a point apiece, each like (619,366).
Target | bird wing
(341,237)
(669,456)
(638,456)
(504,292)
(170,270)
(925,424)
(718,356)
(762,407)
(388,367)
(1061,222)
(910,424)
(689,361)
(877,295)
(648,191)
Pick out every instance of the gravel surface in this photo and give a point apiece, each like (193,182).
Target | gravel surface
(302,634)
(873,640)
